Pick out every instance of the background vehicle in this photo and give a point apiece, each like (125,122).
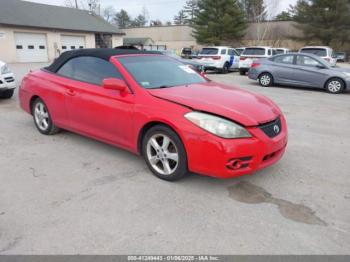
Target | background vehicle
(298,69)
(324,52)
(219,58)
(240,50)
(280,51)
(7,81)
(196,64)
(341,56)
(157,107)
(250,54)
(186,52)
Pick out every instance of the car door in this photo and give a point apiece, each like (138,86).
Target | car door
(92,110)
(234,58)
(308,72)
(283,69)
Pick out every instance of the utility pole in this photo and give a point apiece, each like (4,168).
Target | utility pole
(76,4)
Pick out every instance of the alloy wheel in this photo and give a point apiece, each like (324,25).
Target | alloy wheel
(162,154)
(41,116)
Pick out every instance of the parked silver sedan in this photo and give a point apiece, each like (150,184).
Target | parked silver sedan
(304,70)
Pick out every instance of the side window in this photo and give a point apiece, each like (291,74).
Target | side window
(307,61)
(284,59)
(235,53)
(89,69)
(269,52)
(230,52)
(223,51)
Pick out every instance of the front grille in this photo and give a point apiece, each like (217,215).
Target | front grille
(9,79)
(272,129)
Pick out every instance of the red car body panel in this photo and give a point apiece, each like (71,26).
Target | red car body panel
(118,118)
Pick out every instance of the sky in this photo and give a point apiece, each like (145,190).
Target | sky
(163,10)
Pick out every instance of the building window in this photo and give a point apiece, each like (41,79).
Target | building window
(30,47)
(72,47)
(41,47)
(19,47)
(81,47)
(64,47)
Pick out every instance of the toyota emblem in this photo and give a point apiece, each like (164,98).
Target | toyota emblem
(276,129)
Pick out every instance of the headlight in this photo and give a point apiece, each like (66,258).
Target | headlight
(217,125)
(5,69)
(347,74)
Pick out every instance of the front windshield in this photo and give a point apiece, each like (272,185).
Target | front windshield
(159,71)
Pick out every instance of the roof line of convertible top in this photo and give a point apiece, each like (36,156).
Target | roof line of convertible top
(103,53)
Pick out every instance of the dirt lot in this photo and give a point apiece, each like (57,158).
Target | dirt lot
(67,194)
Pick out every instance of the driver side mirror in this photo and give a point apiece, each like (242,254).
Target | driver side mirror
(115,84)
(321,66)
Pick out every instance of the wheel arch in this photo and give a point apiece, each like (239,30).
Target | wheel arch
(335,77)
(148,126)
(31,102)
(266,72)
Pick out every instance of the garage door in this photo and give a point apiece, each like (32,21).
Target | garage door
(31,47)
(72,42)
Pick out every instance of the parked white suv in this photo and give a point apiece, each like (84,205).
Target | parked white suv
(250,54)
(219,58)
(281,51)
(7,81)
(324,52)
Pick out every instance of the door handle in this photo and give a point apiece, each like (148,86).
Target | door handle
(70,92)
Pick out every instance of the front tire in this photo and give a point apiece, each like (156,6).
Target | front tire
(335,86)
(266,80)
(164,153)
(7,94)
(42,118)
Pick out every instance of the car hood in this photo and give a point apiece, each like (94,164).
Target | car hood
(341,69)
(241,106)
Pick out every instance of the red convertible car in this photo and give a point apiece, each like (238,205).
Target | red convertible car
(153,105)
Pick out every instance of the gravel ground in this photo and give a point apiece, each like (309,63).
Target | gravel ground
(68,194)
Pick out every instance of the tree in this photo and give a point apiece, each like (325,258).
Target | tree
(284,16)
(190,9)
(218,21)
(323,20)
(180,18)
(108,13)
(139,21)
(89,5)
(156,23)
(122,19)
(168,23)
(255,10)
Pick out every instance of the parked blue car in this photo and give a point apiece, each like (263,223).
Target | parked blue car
(297,69)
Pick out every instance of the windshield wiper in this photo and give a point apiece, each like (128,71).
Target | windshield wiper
(161,87)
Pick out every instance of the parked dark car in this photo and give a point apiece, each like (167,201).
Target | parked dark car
(297,69)
(186,53)
(341,56)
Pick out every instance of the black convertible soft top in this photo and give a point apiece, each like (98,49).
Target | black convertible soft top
(103,53)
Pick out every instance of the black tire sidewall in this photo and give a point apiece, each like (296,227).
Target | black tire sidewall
(182,168)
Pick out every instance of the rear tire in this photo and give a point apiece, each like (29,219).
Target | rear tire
(242,72)
(164,153)
(225,68)
(42,118)
(335,86)
(266,80)
(7,94)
